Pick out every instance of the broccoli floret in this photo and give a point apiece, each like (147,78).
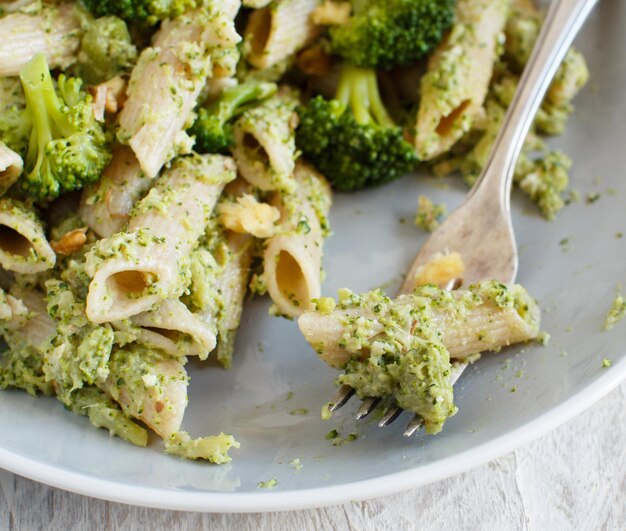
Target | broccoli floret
(67,148)
(388,33)
(212,130)
(106,50)
(352,139)
(150,11)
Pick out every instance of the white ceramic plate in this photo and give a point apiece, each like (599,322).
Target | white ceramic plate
(373,245)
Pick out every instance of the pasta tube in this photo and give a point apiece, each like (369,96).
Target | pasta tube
(220,270)
(278,31)
(27,337)
(23,244)
(486,316)
(231,284)
(455,86)
(265,146)
(134,270)
(150,387)
(105,206)
(40,28)
(293,258)
(11,167)
(166,82)
(173,328)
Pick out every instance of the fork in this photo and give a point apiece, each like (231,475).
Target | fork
(481,230)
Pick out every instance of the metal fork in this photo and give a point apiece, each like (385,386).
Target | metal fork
(480,230)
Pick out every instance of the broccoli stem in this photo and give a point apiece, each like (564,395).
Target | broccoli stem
(358,89)
(39,92)
(232,101)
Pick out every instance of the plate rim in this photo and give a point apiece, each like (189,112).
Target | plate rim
(263,502)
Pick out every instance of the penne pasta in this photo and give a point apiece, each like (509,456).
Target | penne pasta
(134,270)
(23,244)
(150,387)
(21,366)
(39,28)
(105,207)
(231,284)
(278,30)
(265,147)
(180,332)
(455,86)
(167,80)
(293,258)
(11,167)
(484,317)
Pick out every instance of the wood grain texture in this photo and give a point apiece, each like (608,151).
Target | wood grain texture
(573,478)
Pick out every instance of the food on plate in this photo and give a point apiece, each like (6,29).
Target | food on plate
(160,161)
(402,348)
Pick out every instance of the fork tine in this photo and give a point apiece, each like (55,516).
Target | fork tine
(368,405)
(390,415)
(413,426)
(343,395)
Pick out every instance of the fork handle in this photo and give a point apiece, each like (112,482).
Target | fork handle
(562,22)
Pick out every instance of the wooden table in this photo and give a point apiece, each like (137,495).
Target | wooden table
(573,478)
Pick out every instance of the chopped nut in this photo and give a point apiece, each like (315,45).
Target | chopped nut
(71,242)
(331,13)
(248,216)
(108,97)
(314,61)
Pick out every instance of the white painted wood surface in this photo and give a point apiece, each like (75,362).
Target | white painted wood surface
(572,479)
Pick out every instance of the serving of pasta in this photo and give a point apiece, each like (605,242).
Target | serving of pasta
(161,162)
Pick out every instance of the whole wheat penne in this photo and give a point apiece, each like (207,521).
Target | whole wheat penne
(455,86)
(292,259)
(11,167)
(105,206)
(265,145)
(166,82)
(484,317)
(279,30)
(181,332)
(134,270)
(149,386)
(23,244)
(52,30)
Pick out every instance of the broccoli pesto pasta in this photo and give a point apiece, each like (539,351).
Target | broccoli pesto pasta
(133,270)
(293,257)
(24,247)
(265,146)
(402,348)
(163,162)
(39,28)
(455,86)
(11,166)
(165,85)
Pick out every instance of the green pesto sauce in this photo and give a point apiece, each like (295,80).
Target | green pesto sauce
(213,449)
(617,311)
(270,484)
